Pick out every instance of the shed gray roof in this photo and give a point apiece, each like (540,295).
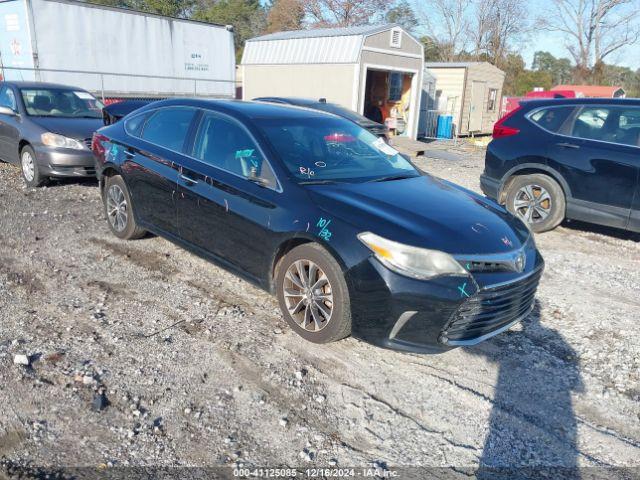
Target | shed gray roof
(325,32)
(451,64)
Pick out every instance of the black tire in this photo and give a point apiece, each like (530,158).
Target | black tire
(29,168)
(548,199)
(116,193)
(338,324)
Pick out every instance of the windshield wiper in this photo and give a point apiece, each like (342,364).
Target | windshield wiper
(394,177)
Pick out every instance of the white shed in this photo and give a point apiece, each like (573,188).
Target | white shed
(373,70)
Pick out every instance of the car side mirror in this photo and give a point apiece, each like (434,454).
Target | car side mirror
(7,111)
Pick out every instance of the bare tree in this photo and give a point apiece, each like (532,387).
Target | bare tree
(343,13)
(447,25)
(507,23)
(593,29)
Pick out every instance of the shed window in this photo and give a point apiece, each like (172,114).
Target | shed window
(493,97)
(396,38)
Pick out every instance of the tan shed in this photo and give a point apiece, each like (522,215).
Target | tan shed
(373,70)
(469,91)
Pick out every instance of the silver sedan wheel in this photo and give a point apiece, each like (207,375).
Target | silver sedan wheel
(532,203)
(28,165)
(117,211)
(308,295)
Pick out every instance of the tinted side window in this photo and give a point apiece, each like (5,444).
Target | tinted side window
(8,98)
(609,124)
(133,126)
(226,145)
(168,127)
(590,123)
(552,119)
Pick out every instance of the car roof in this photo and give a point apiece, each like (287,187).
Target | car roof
(246,110)
(543,102)
(21,84)
(292,100)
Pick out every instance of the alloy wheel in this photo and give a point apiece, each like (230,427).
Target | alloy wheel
(532,203)
(308,295)
(28,166)
(117,211)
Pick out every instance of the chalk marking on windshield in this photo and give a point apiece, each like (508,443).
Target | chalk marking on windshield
(324,232)
(463,291)
(307,171)
(320,164)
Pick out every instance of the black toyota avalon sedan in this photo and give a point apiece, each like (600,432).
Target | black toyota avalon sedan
(347,233)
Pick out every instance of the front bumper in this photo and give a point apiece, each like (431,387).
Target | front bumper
(65,162)
(400,313)
(490,186)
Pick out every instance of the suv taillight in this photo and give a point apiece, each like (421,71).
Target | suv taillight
(500,130)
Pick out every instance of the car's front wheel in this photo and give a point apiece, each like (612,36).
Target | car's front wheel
(313,295)
(30,170)
(119,209)
(538,200)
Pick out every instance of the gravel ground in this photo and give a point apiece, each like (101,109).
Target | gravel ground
(142,354)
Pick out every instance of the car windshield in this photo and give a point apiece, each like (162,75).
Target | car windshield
(327,150)
(63,103)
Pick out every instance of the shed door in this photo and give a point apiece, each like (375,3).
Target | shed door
(477,106)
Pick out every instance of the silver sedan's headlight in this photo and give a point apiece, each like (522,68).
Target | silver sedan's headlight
(411,261)
(60,141)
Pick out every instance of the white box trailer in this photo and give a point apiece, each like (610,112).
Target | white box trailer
(115,52)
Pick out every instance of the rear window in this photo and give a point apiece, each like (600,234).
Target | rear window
(552,118)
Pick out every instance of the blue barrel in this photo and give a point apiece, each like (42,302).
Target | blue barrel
(444,127)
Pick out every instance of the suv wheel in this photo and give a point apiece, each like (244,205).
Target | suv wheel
(313,294)
(29,165)
(537,200)
(119,209)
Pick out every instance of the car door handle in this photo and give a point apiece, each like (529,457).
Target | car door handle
(189,180)
(568,145)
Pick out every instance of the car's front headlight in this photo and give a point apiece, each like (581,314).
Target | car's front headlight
(411,261)
(60,141)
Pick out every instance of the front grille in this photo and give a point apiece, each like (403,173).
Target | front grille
(491,309)
(87,142)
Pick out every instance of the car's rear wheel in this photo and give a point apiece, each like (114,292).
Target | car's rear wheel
(313,294)
(538,200)
(119,209)
(30,170)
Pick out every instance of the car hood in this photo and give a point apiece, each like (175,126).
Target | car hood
(426,212)
(78,128)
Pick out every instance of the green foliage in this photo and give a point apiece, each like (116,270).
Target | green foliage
(560,69)
(402,14)
(170,8)
(248,18)
(432,50)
